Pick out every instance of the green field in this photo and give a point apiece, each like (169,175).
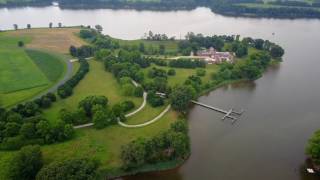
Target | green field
(25,72)
(170,46)
(50,64)
(96,82)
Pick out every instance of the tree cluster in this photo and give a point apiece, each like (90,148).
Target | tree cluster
(17,130)
(187,63)
(173,144)
(66,89)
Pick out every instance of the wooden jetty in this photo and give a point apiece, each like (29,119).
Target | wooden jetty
(228,114)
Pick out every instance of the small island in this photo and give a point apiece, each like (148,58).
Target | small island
(78,103)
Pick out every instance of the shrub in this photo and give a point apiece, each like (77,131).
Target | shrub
(127,106)
(201,72)
(154,100)
(80,169)
(171,72)
(26,164)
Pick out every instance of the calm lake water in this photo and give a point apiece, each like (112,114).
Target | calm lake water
(282,108)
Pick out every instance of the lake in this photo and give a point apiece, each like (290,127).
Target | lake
(281,108)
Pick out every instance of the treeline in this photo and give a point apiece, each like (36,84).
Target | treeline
(28,163)
(276,12)
(187,63)
(171,145)
(66,89)
(23,125)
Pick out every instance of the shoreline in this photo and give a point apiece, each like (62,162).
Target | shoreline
(163,166)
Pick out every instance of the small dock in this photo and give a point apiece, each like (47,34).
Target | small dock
(228,114)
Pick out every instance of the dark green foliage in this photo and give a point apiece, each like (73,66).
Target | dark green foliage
(187,63)
(240,49)
(195,82)
(28,130)
(276,51)
(90,101)
(173,144)
(65,90)
(20,43)
(87,33)
(127,106)
(171,72)
(181,96)
(201,72)
(156,72)
(313,147)
(73,51)
(154,100)
(77,169)
(26,163)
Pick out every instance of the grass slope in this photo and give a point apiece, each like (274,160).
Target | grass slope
(96,82)
(49,64)
(17,70)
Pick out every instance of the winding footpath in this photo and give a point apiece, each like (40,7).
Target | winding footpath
(145,95)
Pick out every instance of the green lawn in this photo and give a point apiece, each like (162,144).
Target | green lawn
(25,73)
(170,46)
(96,82)
(17,70)
(182,73)
(49,64)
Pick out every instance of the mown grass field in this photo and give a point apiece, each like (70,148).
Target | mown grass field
(170,46)
(17,70)
(50,65)
(26,72)
(96,82)
(182,73)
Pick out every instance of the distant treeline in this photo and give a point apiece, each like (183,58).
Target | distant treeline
(282,9)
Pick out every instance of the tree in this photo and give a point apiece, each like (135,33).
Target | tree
(171,72)
(127,106)
(313,147)
(28,130)
(133,154)
(73,51)
(59,24)
(15,26)
(28,26)
(26,164)
(88,103)
(11,129)
(128,89)
(50,25)
(77,169)
(181,96)
(100,119)
(20,43)
(154,100)
(258,43)
(276,51)
(99,28)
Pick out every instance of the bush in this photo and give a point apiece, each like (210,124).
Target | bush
(171,72)
(128,89)
(154,100)
(65,90)
(26,164)
(78,169)
(201,72)
(127,106)
(89,102)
